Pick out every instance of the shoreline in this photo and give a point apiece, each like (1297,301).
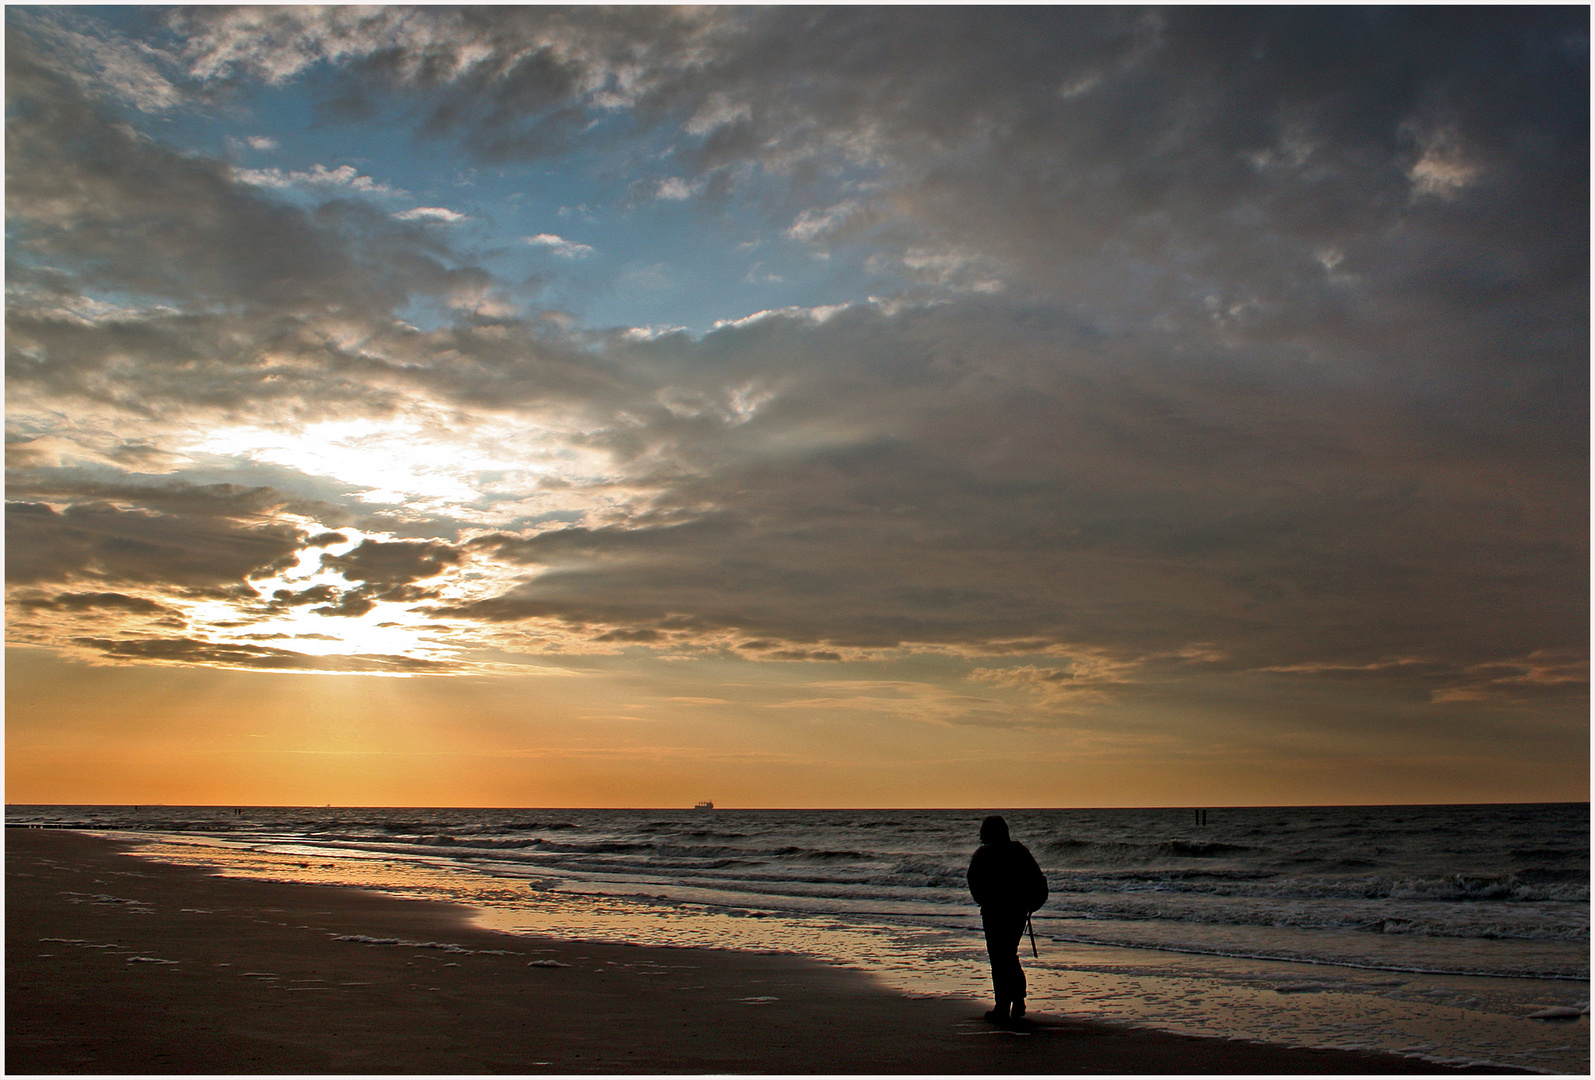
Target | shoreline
(194,973)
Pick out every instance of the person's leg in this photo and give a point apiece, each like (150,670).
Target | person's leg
(1007,977)
(993,926)
(1014,974)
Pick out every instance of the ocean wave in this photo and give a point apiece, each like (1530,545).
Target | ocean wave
(479,842)
(1390,878)
(1555,854)
(818,855)
(1202,849)
(1451,921)
(1522,969)
(1480,888)
(1140,851)
(1453,887)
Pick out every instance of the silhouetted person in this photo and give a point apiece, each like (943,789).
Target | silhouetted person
(1008,885)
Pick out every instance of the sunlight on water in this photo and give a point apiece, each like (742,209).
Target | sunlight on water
(1445,1018)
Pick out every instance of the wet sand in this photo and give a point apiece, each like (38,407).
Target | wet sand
(118,964)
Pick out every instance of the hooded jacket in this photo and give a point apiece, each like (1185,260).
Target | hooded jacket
(1004,877)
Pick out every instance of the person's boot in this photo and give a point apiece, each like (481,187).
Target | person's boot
(1018,1010)
(999,1015)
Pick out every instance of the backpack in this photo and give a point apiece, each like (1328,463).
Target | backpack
(1035,884)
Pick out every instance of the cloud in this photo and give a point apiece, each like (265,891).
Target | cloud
(1444,170)
(1047,507)
(308,317)
(195,652)
(85,602)
(804,654)
(675,189)
(343,176)
(262,142)
(98,542)
(90,210)
(432,213)
(1265,330)
(276,46)
(817,314)
(398,562)
(814,224)
(954,269)
(567,249)
(102,63)
(717,111)
(1153,166)
(1088,672)
(1540,676)
(645,636)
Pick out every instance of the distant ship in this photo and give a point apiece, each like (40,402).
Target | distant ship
(705,805)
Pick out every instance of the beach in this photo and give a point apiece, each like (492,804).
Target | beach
(122,964)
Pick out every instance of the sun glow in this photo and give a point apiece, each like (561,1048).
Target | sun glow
(427,461)
(318,628)
(386,630)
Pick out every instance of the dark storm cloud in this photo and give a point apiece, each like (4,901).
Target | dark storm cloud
(135,215)
(1227,143)
(96,601)
(392,562)
(260,657)
(179,542)
(297,363)
(330,600)
(385,571)
(516,82)
(1218,160)
(316,594)
(236,502)
(97,541)
(1232,340)
(630,636)
(245,300)
(1399,189)
(972,485)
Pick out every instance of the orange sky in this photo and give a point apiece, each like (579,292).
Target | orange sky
(792,406)
(81,734)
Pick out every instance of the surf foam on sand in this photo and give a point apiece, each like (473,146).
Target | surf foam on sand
(228,1001)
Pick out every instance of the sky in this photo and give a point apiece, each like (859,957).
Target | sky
(789,406)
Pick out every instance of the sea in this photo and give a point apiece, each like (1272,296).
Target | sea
(1459,934)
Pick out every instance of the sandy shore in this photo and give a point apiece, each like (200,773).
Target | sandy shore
(116,964)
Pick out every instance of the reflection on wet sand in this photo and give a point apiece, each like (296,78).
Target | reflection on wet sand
(1443,1018)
